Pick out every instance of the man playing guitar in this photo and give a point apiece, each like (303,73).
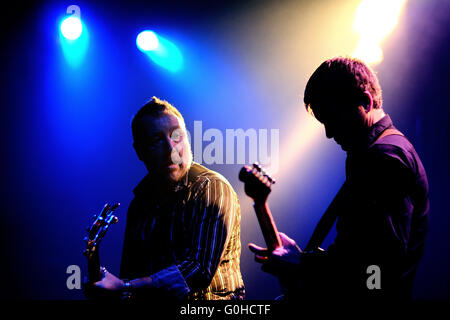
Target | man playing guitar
(381,210)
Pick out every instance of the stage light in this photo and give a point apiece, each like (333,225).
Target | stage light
(71,28)
(374,20)
(369,52)
(160,50)
(147,40)
(73,36)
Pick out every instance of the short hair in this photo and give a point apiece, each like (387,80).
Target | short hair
(155,108)
(344,80)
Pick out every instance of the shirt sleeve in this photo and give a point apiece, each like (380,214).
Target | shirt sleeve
(214,216)
(170,280)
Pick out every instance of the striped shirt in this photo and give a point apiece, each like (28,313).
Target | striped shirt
(188,242)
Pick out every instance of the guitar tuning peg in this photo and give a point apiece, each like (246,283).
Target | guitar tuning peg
(257,166)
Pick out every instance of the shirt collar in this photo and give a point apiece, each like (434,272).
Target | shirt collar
(372,134)
(377,129)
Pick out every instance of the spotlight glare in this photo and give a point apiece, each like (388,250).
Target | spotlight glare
(368,51)
(71,28)
(147,41)
(160,50)
(374,20)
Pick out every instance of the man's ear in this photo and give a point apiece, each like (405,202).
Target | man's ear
(367,101)
(140,153)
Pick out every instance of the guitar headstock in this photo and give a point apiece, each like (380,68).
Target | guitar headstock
(258,184)
(98,229)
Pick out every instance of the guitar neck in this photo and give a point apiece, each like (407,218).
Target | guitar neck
(95,234)
(267,225)
(93,266)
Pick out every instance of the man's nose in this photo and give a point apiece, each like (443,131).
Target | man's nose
(174,150)
(169,144)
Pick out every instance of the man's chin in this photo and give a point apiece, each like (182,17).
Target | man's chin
(340,144)
(169,174)
(175,173)
(343,147)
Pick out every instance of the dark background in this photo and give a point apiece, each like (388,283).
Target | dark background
(66,140)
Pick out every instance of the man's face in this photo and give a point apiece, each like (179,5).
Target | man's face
(345,125)
(163,147)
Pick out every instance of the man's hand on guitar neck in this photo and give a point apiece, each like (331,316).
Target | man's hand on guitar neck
(113,286)
(279,260)
(110,282)
(283,262)
(109,287)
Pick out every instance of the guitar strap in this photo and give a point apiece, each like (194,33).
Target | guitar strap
(329,217)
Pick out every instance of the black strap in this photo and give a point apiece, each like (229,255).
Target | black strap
(326,222)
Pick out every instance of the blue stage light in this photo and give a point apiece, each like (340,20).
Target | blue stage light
(71,28)
(74,37)
(160,50)
(147,41)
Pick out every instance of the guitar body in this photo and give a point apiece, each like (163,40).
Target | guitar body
(258,186)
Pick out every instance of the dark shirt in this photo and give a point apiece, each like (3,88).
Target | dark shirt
(382,220)
(188,241)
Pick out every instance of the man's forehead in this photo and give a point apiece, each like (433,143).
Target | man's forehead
(163,122)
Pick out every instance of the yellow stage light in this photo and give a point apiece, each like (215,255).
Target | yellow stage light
(374,20)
